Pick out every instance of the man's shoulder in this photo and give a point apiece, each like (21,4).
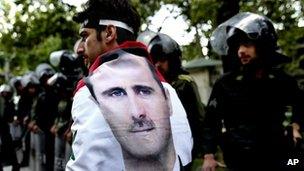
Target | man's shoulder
(230,76)
(183,81)
(279,73)
(185,78)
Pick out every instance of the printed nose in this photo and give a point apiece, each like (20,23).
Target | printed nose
(137,108)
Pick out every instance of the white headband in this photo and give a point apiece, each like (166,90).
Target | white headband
(116,23)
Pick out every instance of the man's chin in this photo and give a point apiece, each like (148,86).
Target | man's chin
(245,61)
(144,136)
(87,62)
(144,151)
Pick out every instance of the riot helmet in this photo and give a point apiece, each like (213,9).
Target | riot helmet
(255,27)
(163,48)
(6,91)
(251,27)
(146,37)
(160,46)
(15,82)
(43,72)
(67,62)
(60,82)
(6,88)
(29,79)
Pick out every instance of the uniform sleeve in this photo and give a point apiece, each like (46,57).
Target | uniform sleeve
(212,122)
(297,100)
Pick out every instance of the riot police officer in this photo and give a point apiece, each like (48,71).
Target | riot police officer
(247,106)
(28,87)
(10,131)
(45,111)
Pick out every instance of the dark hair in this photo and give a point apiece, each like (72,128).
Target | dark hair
(120,10)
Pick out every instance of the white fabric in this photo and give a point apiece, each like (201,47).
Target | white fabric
(116,23)
(95,146)
(176,166)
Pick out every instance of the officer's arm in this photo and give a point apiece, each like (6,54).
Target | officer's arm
(296,132)
(211,127)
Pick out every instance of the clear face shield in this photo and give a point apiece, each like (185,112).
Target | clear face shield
(253,25)
(159,45)
(146,37)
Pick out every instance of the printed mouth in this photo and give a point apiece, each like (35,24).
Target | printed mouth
(141,129)
(142,125)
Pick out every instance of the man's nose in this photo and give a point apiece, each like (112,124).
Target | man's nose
(241,50)
(80,48)
(80,51)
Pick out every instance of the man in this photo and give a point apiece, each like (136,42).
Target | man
(107,24)
(28,98)
(7,152)
(247,106)
(166,56)
(45,110)
(137,110)
(8,140)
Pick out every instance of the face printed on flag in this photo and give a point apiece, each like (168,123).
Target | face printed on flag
(134,104)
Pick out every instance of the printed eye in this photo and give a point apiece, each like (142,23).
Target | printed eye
(144,91)
(116,93)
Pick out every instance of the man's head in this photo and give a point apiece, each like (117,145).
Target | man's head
(165,52)
(30,83)
(6,91)
(43,72)
(15,82)
(258,29)
(242,45)
(105,24)
(252,38)
(134,104)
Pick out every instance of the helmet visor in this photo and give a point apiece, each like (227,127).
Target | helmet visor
(251,24)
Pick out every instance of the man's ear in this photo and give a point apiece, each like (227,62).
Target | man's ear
(168,101)
(111,34)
